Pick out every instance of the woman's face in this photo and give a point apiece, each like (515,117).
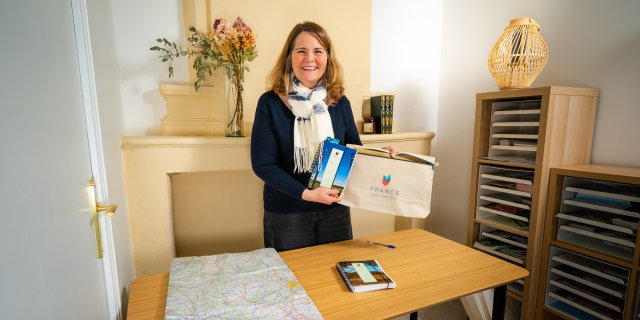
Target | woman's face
(308,59)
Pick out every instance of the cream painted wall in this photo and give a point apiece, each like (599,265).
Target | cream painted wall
(272,20)
(591,43)
(136,26)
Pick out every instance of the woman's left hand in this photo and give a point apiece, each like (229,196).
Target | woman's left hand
(321,195)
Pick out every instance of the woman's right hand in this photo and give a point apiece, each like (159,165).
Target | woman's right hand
(321,195)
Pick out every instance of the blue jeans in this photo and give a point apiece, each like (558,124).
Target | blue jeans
(287,231)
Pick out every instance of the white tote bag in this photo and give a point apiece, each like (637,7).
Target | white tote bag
(391,185)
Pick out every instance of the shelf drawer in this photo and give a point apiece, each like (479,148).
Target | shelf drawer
(514,130)
(581,287)
(503,244)
(599,215)
(504,196)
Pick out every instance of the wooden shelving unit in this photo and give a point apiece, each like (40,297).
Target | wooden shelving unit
(590,265)
(519,135)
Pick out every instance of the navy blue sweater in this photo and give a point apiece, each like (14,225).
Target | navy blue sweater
(272,152)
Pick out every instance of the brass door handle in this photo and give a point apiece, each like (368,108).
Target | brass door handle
(107,208)
(110,209)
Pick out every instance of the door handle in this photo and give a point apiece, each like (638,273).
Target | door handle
(107,208)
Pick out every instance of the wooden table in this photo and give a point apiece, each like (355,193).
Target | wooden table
(428,269)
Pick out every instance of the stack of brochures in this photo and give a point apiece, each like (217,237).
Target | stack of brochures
(331,166)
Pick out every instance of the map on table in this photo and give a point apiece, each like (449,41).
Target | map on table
(248,285)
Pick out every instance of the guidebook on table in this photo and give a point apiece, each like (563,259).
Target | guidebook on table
(365,275)
(331,166)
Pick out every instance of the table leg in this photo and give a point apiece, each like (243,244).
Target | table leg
(413,316)
(499,302)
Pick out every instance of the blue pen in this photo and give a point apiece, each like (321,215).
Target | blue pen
(381,244)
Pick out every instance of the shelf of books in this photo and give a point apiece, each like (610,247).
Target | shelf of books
(519,135)
(590,262)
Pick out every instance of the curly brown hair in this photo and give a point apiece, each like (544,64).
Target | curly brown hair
(279,77)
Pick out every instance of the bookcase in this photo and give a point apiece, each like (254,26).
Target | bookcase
(519,135)
(589,266)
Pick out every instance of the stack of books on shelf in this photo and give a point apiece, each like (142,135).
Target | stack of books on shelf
(382,113)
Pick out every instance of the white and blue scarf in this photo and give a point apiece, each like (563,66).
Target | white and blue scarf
(312,123)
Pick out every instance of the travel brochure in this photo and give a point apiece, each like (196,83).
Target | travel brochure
(332,165)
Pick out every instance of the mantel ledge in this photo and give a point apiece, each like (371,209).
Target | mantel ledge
(132,142)
(400,136)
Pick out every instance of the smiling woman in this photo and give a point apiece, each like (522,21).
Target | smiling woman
(305,104)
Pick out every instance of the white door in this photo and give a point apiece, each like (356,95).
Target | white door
(48,268)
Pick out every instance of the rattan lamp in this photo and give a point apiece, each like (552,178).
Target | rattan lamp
(519,55)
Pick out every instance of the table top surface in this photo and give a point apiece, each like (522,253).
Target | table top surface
(427,268)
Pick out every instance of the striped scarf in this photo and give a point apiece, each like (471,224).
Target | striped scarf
(312,123)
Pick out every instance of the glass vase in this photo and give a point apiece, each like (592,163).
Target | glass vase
(235,102)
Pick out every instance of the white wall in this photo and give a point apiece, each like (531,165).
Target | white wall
(405,59)
(592,43)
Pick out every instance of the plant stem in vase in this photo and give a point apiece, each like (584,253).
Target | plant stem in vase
(235,103)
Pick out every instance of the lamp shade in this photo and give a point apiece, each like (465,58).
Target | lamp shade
(519,55)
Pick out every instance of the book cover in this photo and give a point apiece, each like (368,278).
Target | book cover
(331,166)
(365,275)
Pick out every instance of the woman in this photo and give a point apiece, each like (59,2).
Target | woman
(304,104)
